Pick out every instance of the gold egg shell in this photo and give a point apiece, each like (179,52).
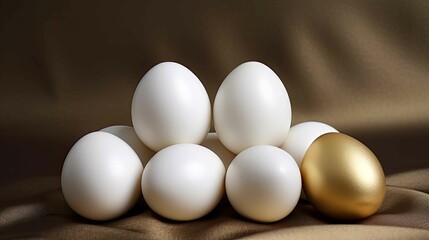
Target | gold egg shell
(342,178)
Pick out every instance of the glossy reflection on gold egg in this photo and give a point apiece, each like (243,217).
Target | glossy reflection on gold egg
(342,178)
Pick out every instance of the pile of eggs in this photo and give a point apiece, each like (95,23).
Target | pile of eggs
(262,163)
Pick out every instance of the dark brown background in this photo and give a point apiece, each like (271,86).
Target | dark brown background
(70,67)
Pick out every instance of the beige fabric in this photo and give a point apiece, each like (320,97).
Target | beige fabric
(342,231)
(70,67)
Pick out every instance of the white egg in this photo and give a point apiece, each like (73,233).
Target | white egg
(170,106)
(263,183)
(183,182)
(128,134)
(213,143)
(299,139)
(101,176)
(251,107)
(301,136)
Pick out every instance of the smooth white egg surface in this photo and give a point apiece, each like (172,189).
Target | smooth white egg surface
(183,182)
(101,176)
(213,143)
(263,183)
(301,136)
(252,107)
(170,106)
(128,134)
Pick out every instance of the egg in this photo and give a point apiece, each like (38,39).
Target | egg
(263,183)
(342,178)
(128,134)
(301,136)
(213,143)
(101,176)
(251,107)
(183,182)
(170,106)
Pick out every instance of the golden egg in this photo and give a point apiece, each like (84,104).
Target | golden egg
(342,178)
